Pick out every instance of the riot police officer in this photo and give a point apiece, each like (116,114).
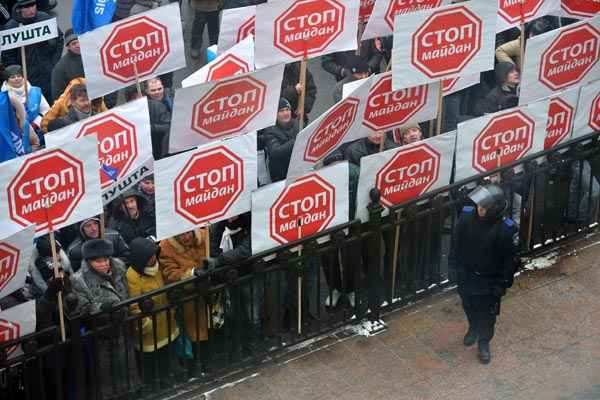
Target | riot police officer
(483,259)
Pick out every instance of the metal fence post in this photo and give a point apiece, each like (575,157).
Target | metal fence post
(374,254)
(77,368)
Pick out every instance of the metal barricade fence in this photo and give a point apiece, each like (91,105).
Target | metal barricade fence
(242,314)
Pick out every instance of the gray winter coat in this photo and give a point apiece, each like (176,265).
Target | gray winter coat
(39,285)
(94,289)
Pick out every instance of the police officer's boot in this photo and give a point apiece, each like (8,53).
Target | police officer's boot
(470,337)
(485,356)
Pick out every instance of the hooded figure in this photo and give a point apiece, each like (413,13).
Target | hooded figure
(90,229)
(41,268)
(506,92)
(484,272)
(99,285)
(131,217)
(144,275)
(279,139)
(41,56)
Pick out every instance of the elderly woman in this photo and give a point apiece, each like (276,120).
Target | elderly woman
(179,256)
(99,285)
(158,330)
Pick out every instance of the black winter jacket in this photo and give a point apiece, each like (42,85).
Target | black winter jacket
(143,226)
(160,124)
(278,142)
(364,147)
(291,77)
(121,250)
(68,67)
(488,267)
(335,62)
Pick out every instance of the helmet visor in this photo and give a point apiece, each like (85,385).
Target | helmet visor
(482,197)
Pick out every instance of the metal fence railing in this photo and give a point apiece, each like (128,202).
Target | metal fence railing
(239,314)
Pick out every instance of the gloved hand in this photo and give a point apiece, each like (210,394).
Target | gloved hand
(55,285)
(210,263)
(498,291)
(146,326)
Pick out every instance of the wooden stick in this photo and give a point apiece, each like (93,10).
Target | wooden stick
(359,33)
(61,314)
(102,225)
(396,251)
(302,97)
(438,128)
(299,281)
(382,141)
(137,80)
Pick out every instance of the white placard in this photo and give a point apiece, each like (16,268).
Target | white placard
(340,124)
(579,9)
(25,35)
(289,30)
(587,118)
(515,133)
(16,322)
(561,58)
(149,42)
(381,22)
(405,173)
(15,255)
(124,141)
(425,52)
(130,180)
(561,117)
(205,185)
(313,203)
(225,108)
(454,85)
(236,25)
(512,13)
(235,61)
(56,185)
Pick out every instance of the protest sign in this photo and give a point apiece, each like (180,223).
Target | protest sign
(16,322)
(15,256)
(132,49)
(236,25)
(312,203)
(55,187)
(587,118)
(26,35)
(561,116)
(513,13)
(220,109)
(205,185)
(405,173)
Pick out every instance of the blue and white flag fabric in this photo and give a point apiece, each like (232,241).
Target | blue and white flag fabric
(88,15)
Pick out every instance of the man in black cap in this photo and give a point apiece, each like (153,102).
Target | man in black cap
(68,67)
(278,141)
(486,270)
(90,229)
(41,56)
(358,69)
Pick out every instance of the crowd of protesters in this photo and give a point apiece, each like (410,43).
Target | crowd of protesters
(102,266)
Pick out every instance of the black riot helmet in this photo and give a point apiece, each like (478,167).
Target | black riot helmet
(491,197)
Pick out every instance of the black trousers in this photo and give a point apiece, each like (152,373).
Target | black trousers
(202,18)
(481,312)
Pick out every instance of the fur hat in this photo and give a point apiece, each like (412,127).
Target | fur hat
(97,248)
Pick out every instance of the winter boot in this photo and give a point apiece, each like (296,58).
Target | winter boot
(470,337)
(485,356)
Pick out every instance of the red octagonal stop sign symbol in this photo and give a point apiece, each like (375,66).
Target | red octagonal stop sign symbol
(304,208)
(458,29)
(331,130)
(228,107)
(516,11)
(594,120)
(47,188)
(117,144)
(9,260)
(365,10)
(399,7)
(570,56)
(387,109)
(208,185)
(309,26)
(227,66)
(142,42)
(581,8)
(560,119)
(508,136)
(247,29)
(408,174)
(9,331)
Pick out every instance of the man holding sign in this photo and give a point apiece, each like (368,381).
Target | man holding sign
(41,55)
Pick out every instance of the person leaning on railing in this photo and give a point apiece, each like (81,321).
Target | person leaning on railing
(158,330)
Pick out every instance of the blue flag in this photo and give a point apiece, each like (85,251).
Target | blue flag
(88,15)
(111,172)
(11,144)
